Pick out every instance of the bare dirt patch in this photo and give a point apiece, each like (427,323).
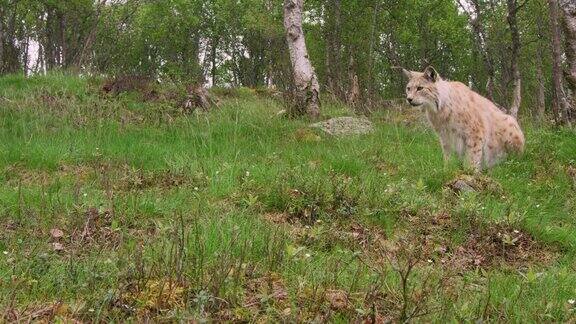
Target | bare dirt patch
(17,175)
(58,312)
(268,290)
(500,245)
(97,229)
(127,178)
(90,230)
(354,235)
(111,177)
(486,245)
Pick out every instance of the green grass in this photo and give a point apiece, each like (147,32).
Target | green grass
(239,214)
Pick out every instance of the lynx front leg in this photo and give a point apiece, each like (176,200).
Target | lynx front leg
(474,153)
(446,150)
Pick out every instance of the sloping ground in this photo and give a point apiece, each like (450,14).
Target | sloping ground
(119,206)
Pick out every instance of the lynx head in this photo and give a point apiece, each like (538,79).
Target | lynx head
(422,87)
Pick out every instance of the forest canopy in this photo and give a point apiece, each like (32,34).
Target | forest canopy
(488,44)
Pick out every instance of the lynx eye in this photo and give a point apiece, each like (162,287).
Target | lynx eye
(407,88)
(419,88)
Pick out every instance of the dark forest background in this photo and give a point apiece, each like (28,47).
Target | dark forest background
(494,46)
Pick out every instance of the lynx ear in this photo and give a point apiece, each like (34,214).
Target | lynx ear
(407,74)
(431,74)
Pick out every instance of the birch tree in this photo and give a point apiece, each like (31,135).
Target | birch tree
(569,10)
(475,18)
(307,89)
(513,8)
(560,104)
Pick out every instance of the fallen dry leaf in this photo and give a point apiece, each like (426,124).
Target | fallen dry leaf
(338,299)
(57,246)
(56,233)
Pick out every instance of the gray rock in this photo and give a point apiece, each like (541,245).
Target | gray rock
(341,126)
(462,186)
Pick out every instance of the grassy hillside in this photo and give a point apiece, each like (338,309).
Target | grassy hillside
(122,207)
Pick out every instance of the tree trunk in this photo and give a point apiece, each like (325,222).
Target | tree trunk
(354,91)
(371,81)
(475,19)
(569,9)
(49,48)
(89,41)
(213,67)
(63,44)
(515,69)
(11,53)
(541,95)
(307,88)
(1,40)
(332,35)
(26,46)
(560,104)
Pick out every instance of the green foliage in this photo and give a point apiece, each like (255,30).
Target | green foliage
(242,43)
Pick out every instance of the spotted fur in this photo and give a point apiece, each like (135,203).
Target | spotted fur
(467,124)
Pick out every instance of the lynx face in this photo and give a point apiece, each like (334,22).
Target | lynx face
(421,89)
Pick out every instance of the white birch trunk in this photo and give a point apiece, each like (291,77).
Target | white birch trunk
(513,8)
(569,10)
(305,80)
(560,104)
